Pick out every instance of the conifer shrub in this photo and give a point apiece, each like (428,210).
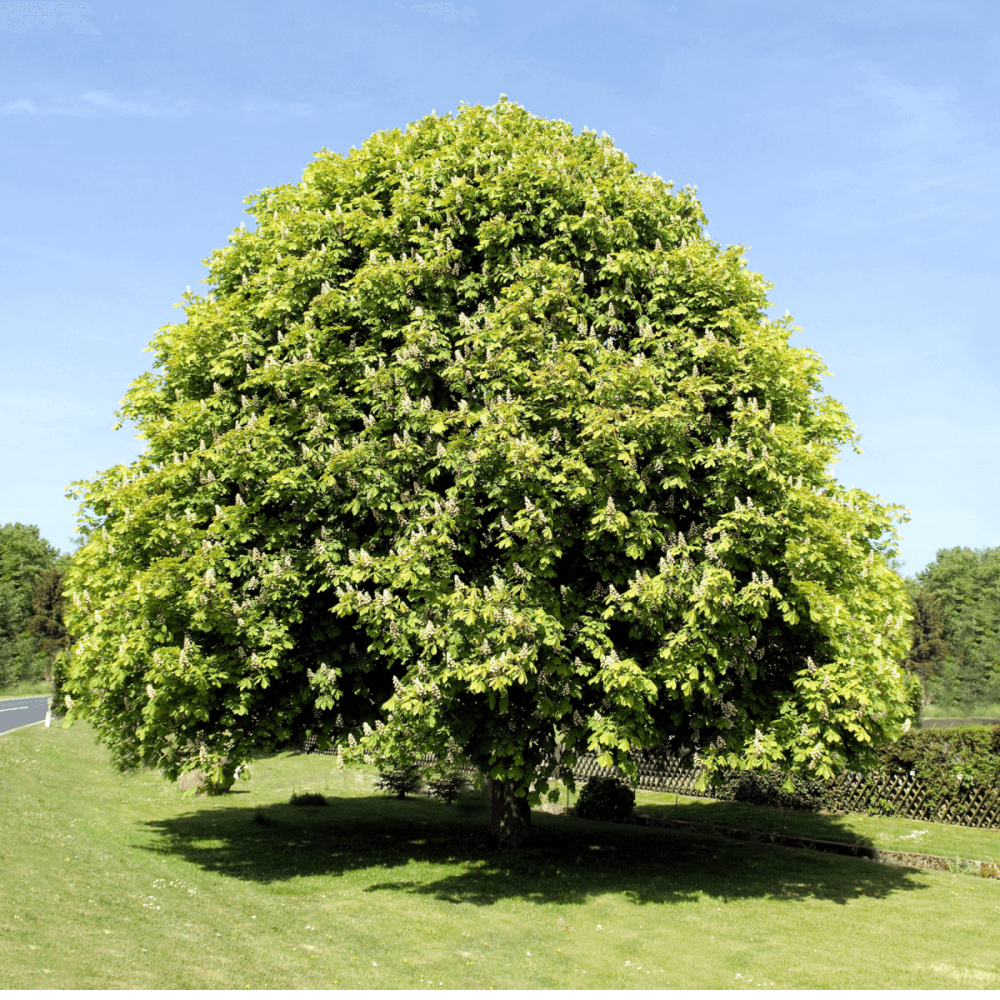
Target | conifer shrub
(447,786)
(403,780)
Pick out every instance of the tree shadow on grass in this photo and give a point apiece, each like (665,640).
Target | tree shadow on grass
(417,846)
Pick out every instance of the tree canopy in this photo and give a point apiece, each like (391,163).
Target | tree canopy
(479,445)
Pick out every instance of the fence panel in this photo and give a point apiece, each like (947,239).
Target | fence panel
(903,795)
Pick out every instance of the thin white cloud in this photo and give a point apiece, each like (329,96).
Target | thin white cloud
(446,10)
(149,104)
(22,17)
(101,104)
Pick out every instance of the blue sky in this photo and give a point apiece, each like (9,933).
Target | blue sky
(853,147)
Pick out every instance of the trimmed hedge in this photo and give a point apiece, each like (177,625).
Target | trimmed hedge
(607,799)
(945,758)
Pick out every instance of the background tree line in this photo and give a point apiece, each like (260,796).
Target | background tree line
(956,629)
(33,636)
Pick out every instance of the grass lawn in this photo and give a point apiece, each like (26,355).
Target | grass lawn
(24,688)
(887,833)
(119,882)
(989,711)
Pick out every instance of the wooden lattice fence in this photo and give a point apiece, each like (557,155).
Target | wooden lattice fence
(959,803)
(665,774)
(903,795)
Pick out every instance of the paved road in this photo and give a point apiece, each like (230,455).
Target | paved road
(18,712)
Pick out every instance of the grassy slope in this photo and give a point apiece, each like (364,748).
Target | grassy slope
(119,882)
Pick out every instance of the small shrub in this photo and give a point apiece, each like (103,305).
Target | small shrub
(262,819)
(447,786)
(607,799)
(401,780)
(307,799)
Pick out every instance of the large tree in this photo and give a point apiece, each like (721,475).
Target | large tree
(479,445)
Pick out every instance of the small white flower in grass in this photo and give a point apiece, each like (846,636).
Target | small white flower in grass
(599,927)
(375,964)
(529,954)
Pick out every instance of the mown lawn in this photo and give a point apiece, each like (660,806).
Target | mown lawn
(24,688)
(989,710)
(887,833)
(119,882)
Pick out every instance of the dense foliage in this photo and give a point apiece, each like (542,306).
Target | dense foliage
(480,446)
(945,756)
(767,789)
(24,556)
(607,799)
(928,647)
(957,611)
(46,623)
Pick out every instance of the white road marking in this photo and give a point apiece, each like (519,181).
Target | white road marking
(7,732)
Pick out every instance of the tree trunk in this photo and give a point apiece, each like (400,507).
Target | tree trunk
(510,816)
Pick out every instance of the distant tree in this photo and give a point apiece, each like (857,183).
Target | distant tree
(24,555)
(964,585)
(46,624)
(928,648)
(480,445)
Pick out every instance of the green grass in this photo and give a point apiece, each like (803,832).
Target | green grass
(991,711)
(119,882)
(24,688)
(888,833)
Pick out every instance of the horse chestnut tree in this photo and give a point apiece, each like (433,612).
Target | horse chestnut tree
(479,446)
